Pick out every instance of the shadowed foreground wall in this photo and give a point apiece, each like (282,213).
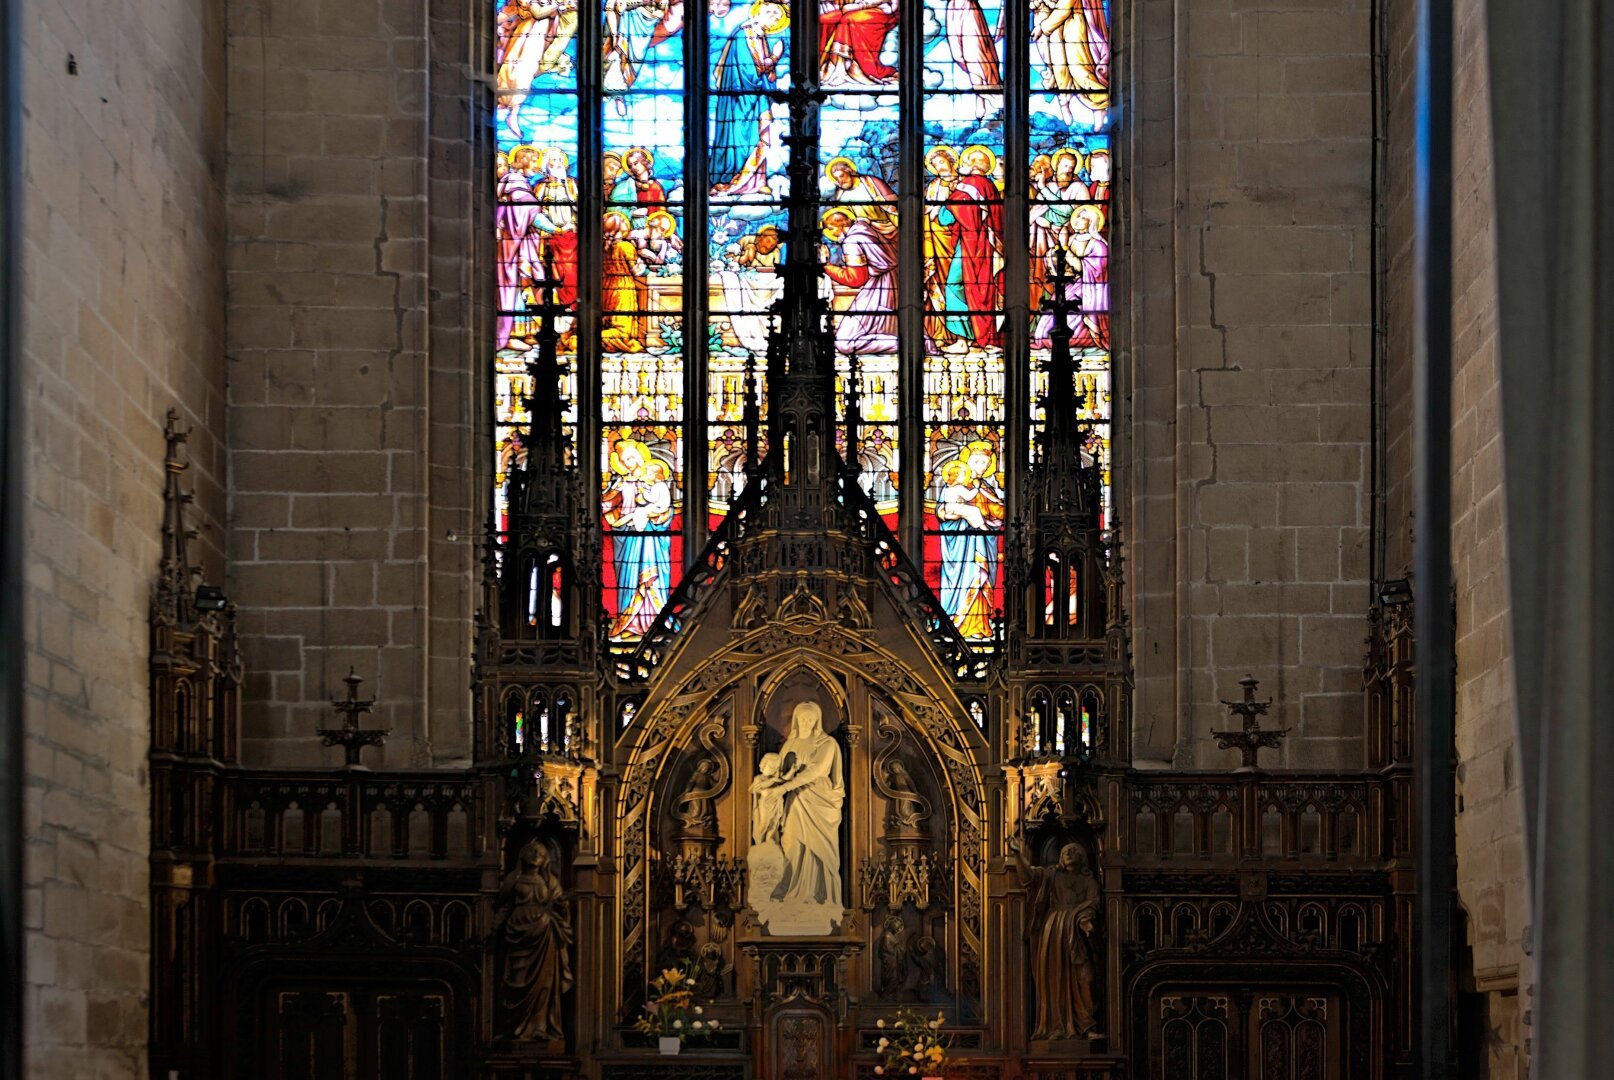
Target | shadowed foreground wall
(123,227)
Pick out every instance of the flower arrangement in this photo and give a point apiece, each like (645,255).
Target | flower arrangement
(912,1045)
(671,1012)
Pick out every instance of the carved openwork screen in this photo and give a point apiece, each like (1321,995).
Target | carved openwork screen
(963,157)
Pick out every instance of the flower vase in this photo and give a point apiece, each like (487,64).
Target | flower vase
(670,1044)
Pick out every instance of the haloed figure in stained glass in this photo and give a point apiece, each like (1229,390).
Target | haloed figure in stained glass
(532,39)
(969,512)
(860,257)
(535,230)
(851,36)
(1087,268)
(963,249)
(866,197)
(744,68)
(638,186)
(638,506)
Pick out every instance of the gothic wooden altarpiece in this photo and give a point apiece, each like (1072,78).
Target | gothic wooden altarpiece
(862,749)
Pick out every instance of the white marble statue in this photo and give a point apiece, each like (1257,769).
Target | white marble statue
(795,857)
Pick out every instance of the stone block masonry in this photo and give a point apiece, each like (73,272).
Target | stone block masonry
(1247,502)
(123,136)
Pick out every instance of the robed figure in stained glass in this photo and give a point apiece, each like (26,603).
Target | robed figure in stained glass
(1071,39)
(630,31)
(623,293)
(1087,265)
(973,45)
(751,284)
(851,36)
(638,186)
(557,193)
(865,261)
(963,249)
(969,511)
(532,39)
(743,71)
(638,507)
(518,238)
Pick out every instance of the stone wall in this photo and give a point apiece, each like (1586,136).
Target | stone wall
(1490,866)
(123,226)
(350,439)
(1490,853)
(1249,205)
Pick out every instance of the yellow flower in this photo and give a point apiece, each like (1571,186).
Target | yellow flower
(672,976)
(937,1053)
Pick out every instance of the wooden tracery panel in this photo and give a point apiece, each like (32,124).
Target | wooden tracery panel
(1246,1035)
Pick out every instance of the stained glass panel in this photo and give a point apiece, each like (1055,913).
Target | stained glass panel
(645,213)
(857,43)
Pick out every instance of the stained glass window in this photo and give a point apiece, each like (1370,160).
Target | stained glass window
(664,183)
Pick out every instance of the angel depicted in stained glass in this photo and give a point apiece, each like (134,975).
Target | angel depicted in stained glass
(974,44)
(744,69)
(865,261)
(533,38)
(638,507)
(1072,40)
(851,37)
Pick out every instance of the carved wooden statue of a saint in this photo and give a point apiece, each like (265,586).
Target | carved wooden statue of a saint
(1061,924)
(795,857)
(535,939)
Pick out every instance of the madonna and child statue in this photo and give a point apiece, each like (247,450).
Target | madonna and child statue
(794,863)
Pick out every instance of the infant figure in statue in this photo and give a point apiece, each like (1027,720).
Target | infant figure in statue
(767,801)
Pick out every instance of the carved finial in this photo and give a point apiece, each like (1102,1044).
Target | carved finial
(1250,739)
(177,576)
(350,737)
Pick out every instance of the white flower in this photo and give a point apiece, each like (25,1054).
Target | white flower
(713,1025)
(689,982)
(919,1055)
(697,1010)
(696,1025)
(879,1070)
(884,1042)
(678,1023)
(934,1024)
(879,1023)
(913,1070)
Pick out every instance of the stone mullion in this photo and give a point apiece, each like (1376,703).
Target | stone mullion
(1017,375)
(590,212)
(697,299)
(911,279)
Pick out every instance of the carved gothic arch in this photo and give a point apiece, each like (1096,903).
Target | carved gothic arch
(922,702)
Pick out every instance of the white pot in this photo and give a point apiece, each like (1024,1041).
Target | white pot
(670,1044)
